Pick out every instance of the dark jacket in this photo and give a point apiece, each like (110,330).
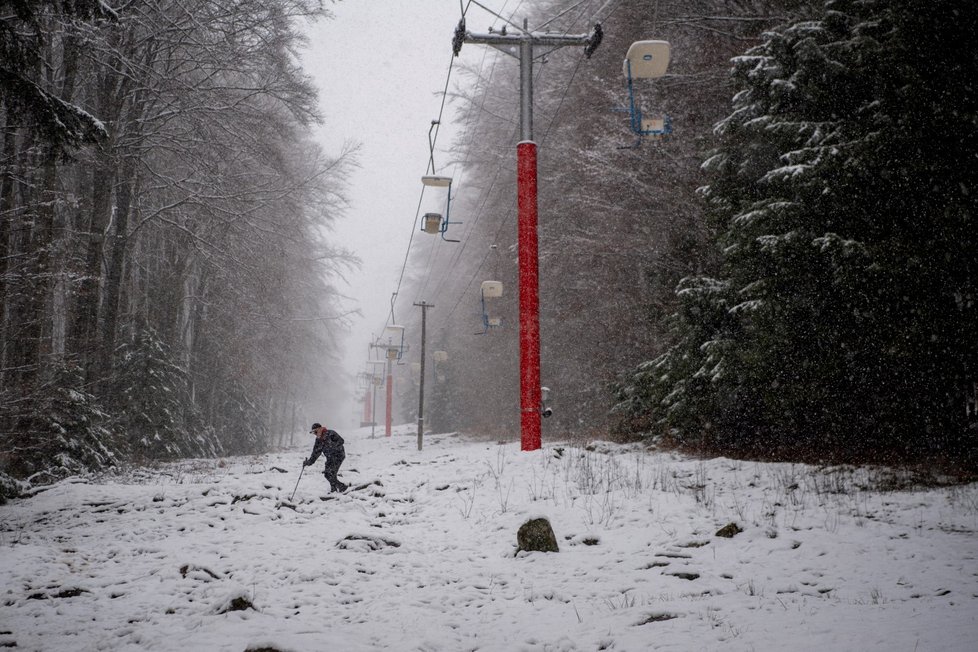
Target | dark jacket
(331,446)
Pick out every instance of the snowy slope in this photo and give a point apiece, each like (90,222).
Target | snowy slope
(421,555)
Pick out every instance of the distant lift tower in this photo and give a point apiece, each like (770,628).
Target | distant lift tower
(521,45)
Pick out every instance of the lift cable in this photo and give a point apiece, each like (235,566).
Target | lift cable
(431,165)
(417,212)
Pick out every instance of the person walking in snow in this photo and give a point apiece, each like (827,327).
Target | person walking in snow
(330,445)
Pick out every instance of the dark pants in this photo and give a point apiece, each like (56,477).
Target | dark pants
(332,467)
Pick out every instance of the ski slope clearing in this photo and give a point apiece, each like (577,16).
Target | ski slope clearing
(420,555)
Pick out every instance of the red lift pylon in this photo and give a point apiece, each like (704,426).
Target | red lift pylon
(521,45)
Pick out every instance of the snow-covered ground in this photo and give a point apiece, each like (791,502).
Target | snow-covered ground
(419,555)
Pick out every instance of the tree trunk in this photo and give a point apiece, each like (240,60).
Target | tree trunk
(86,318)
(6,217)
(111,97)
(43,244)
(117,255)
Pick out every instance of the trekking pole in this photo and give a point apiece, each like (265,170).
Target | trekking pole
(297,483)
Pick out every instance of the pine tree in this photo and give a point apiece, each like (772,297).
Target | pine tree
(841,196)
(242,424)
(66,431)
(24,34)
(154,404)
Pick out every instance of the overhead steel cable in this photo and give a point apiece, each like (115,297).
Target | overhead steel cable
(417,212)
(457,250)
(506,221)
(431,166)
(461,249)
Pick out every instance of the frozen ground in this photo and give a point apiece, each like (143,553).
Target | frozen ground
(210,555)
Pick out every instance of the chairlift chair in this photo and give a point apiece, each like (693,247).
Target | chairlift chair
(376,372)
(395,341)
(436,181)
(646,60)
(490,290)
(431,223)
(434,222)
(363,380)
